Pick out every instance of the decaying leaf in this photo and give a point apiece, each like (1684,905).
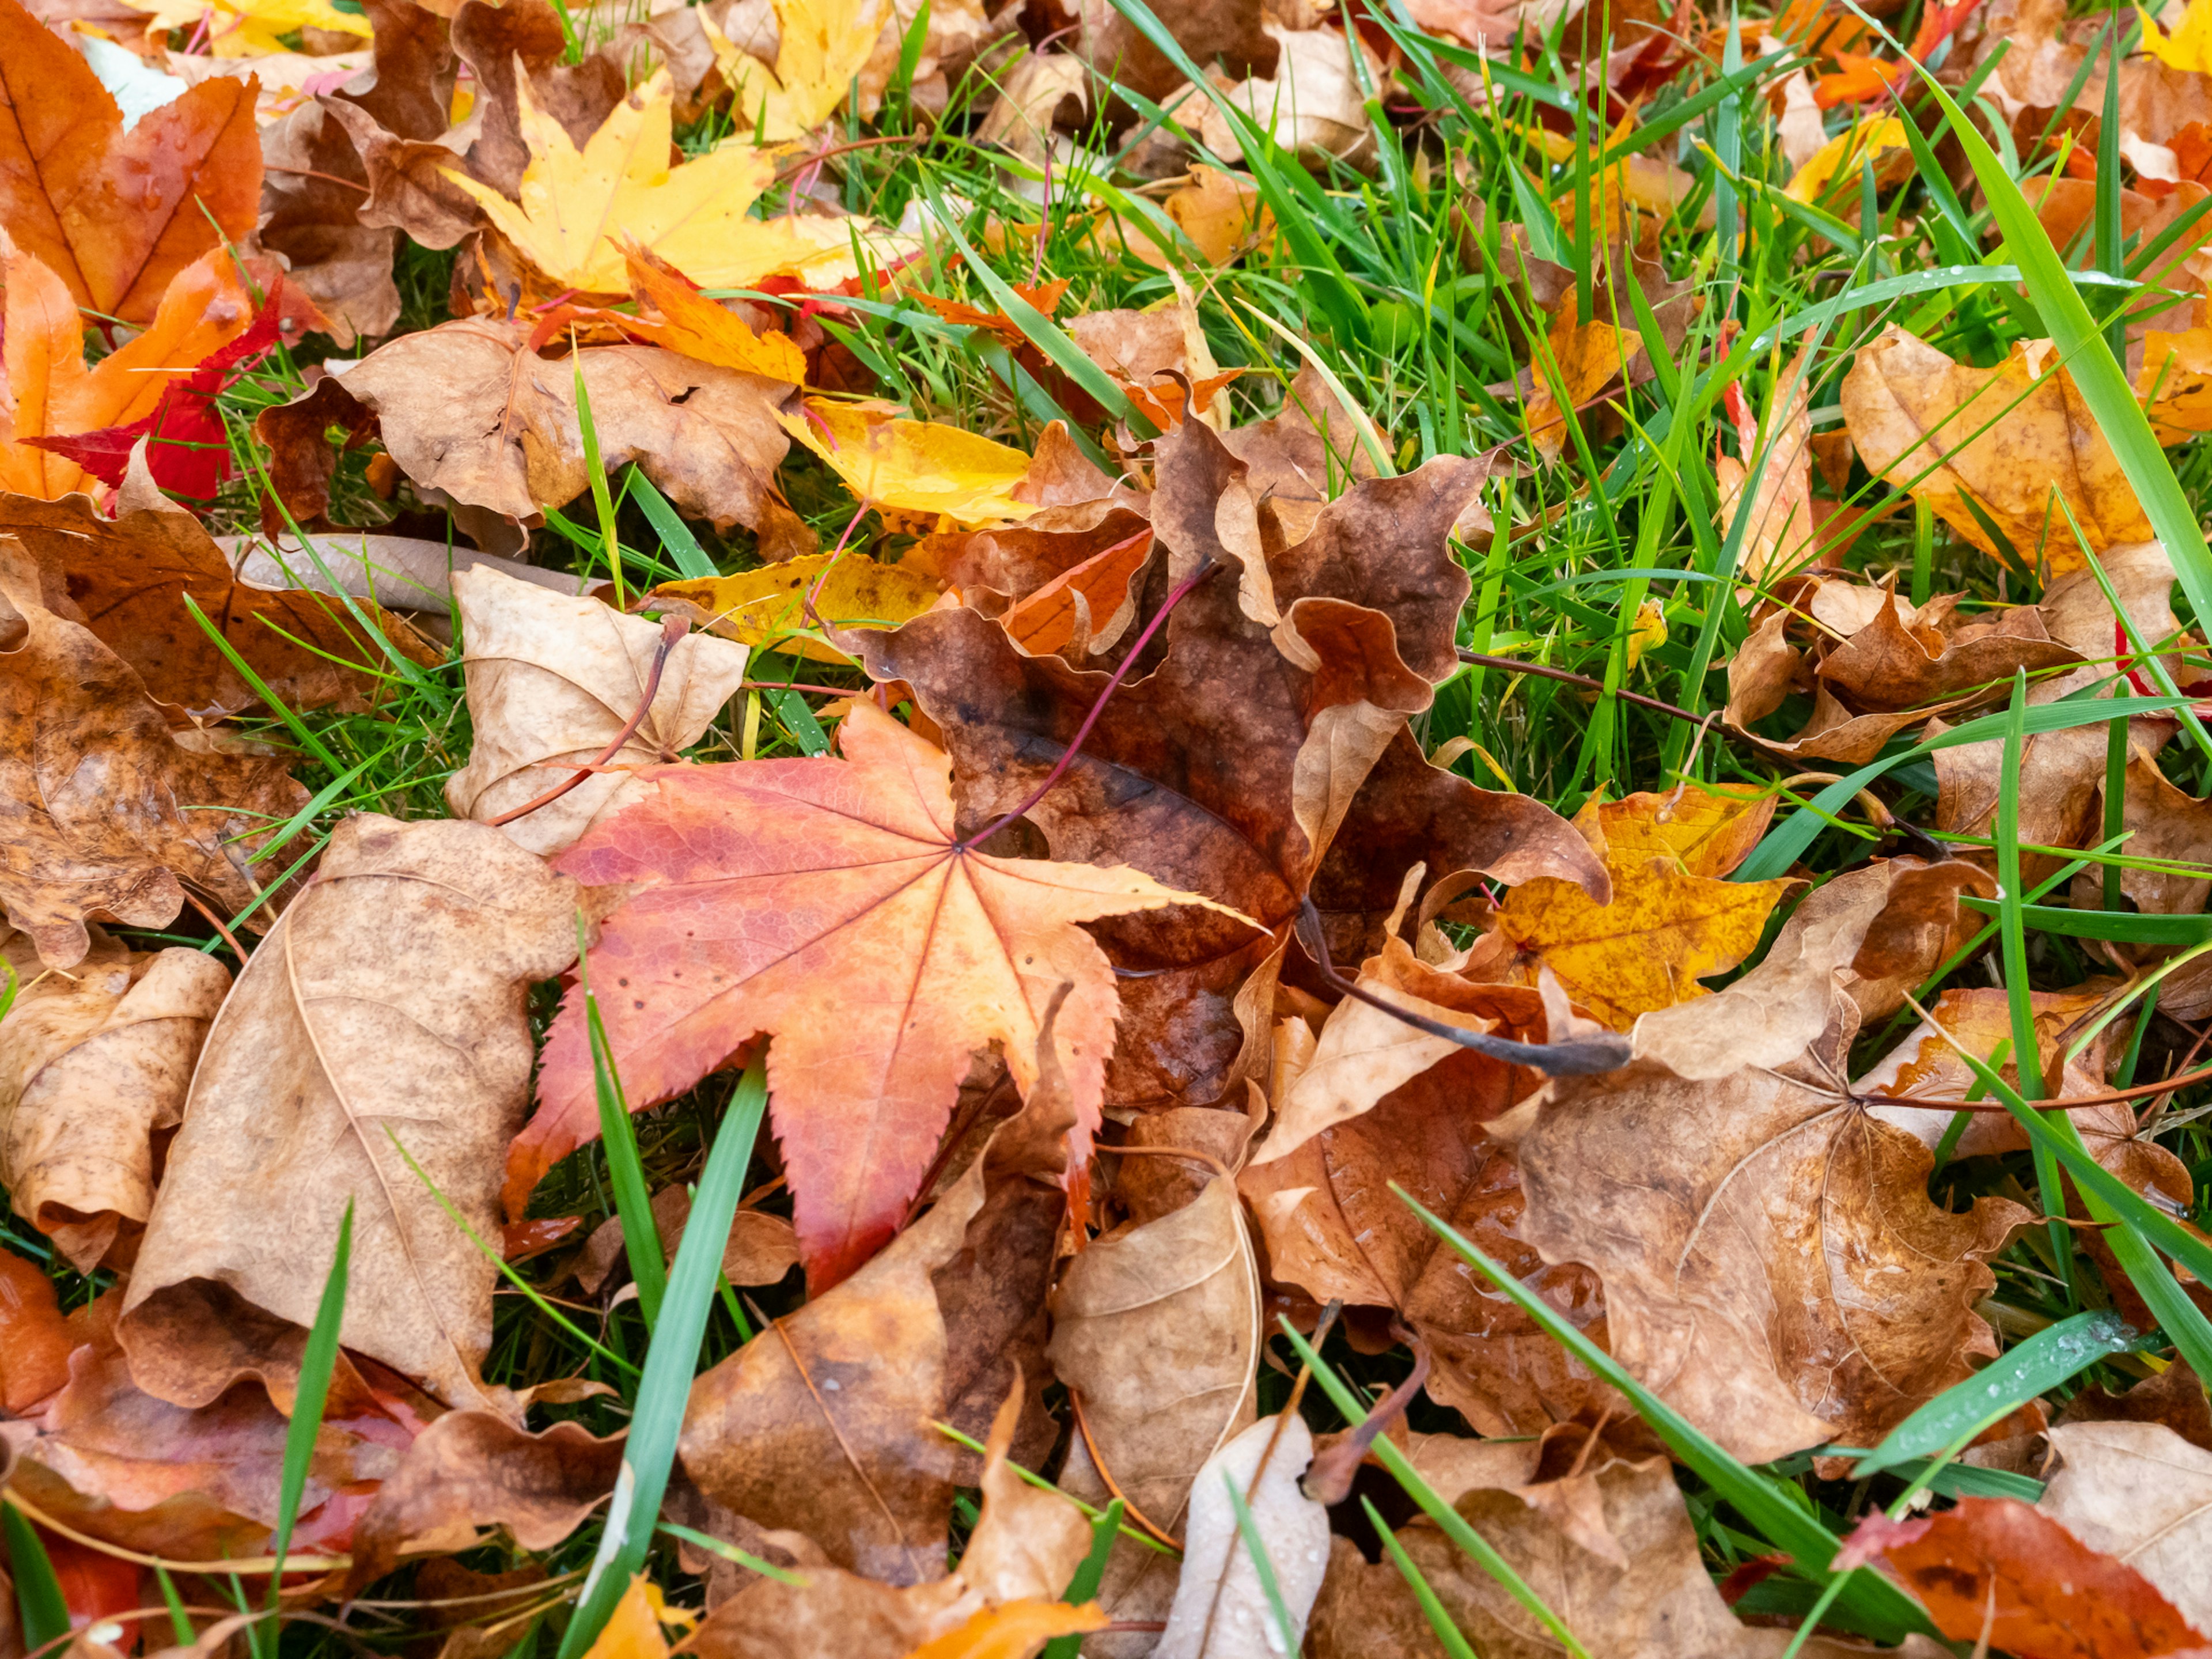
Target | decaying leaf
(2013,441)
(92,1063)
(821,46)
(1772,1267)
(979,944)
(697,326)
(376,1045)
(114,214)
(1781,534)
(767,607)
(552,682)
(1220,1610)
(1584,356)
(2142,1494)
(93,787)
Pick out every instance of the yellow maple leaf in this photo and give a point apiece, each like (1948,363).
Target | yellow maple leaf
(1669,925)
(249,28)
(576,203)
(767,608)
(821,46)
(696,325)
(1866,140)
(633,1629)
(914,466)
(2190,45)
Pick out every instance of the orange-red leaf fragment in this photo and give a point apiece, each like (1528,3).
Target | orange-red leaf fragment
(828,904)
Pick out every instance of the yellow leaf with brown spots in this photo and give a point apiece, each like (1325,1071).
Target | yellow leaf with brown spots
(767,607)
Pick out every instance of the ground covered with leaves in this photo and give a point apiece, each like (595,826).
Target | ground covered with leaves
(863,829)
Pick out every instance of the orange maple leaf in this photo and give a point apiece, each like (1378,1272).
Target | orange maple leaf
(48,392)
(832,905)
(115,215)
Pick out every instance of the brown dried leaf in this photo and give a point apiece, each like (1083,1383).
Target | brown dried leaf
(551,682)
(1772,1267)
(92,1063)
(383,1015)
(91,783)
(2142,1494)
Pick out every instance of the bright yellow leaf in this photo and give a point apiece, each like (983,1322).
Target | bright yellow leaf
(633,1629)
(575,203)
(1013,1630)
(1869,140)
(1707,831)
(696,325)
(249,28)
(821,46)
(2190,46)
(1668,926)
(767,608)
(914,466)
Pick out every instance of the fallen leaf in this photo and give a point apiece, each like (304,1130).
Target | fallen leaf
(35,1341)
(381,1020)
(914,466)
(2174,1399)
(1027,1543)
(821,46)
(1155,1332)
(1220,1610)
(552,683)
(92,1064)
(2142,1494)
(117,216)
(1781,535)
(1233,31)
(1656,1601)
(1014,1630)
(1583,358)
(50,392)
(979,940)
(471,1469)
(1666,928)
(92,784)
(633,1629)
(697,326)
(469,409)
(1772,1267)
(1995,1571)
(129,576)
(1314,106)
(573,203)
(767,608)
(248,28)
(1876,140)
(2012,440)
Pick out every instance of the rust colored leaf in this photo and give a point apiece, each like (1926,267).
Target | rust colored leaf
(383,1015)
(552,681)
(1772,1265)
(92,783)
(2142,1494)
(115,215)
(975,944)
(1994,1570)
(1780,536)
(91,1066)
(34,1342)
(697,326)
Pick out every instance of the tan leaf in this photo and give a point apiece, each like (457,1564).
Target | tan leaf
(1772,1267)
(1313,105)
(92,1063)
(91,784)
(2142,1493)
(383,1019)
(551,682)
(1221,1609)
(1779,537)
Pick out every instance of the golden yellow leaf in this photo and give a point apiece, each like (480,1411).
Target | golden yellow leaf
(821,46)
(1668,926)
(2190,46)
(575,203)
(1013,1630)
(1588,355)
(1650,631)
(767,607)
(693,325)
(2175,383)
(1866,140)
(249,28)
(914,466)
(633,1629)
(1707,831)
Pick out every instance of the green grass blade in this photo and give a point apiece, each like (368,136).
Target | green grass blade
(625,1165)
(1882,1610)
(1090,1573)
(658,1417)
(675,535)
(317,1362)
(1286,1629)
(2120,927)
(1433,1609)
(39,1599)
(601,499)
(2042,1362)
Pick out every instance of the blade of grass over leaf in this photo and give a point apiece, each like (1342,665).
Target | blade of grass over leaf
(317,1362)
(625,1167)
(39,1601)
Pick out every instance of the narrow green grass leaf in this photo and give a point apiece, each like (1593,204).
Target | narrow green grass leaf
(625,1166)
(39,1601)
(675,535)
(317,1361)
(601,500)
(658,1417)
(2033,1367)
(744,1559)
(1263,1568)
(2120,927)
(1432,1608)
(298,727)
